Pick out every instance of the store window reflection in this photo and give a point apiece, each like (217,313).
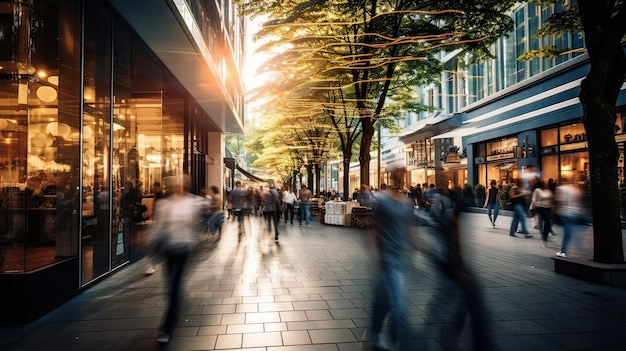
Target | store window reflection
(96,134)
(38,143)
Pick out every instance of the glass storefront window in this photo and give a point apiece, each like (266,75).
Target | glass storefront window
(572,133)
(38,138)
(574,168)
(550,168)
(549,137)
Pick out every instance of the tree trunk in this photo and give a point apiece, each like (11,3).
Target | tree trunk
(603,156)
(598,95)
(309,176)
(318,173)
(367,126)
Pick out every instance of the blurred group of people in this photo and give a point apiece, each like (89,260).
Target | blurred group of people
(545,202)
(396,231)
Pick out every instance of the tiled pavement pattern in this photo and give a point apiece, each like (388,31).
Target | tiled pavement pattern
(312,292)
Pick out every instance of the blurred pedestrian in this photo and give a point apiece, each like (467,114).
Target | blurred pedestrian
(272,207)
(392,220)
(214,214)
(492,202)
(305,205)
(175,234)
(568,206)
(365,196)
(517,196)
(152,259)
(541,202)
(240,201)
(289,200)
(446,209)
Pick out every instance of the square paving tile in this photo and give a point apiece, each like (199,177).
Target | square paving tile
(262,339)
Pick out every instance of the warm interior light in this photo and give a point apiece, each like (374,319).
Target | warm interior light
(46,93)
(22,94)
(53,80)
(87,132)
(42,140)
(58,129)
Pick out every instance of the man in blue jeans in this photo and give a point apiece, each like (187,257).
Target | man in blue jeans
(305,205)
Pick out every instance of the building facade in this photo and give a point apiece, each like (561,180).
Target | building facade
(517,116)
(101,100)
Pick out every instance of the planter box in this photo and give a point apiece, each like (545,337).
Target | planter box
(599,273)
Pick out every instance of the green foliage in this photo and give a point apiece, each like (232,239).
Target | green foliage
(467,190)
(503,193)
(357,62)
(479,191)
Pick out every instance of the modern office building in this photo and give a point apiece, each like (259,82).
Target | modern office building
(99,100)
(515,115)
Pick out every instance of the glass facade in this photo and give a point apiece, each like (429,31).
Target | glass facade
(90,120)
(481,80)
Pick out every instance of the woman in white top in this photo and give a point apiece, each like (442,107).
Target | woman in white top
(289,199)
(542,201)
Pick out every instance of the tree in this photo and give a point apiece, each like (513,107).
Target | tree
(604,25)
(369,55)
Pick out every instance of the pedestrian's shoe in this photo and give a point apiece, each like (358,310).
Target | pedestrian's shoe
(276,239)
(163,338)
(493,224)
(544,243)
(150,270)
(561,254)
(378,344)
(513,235)
(528,235)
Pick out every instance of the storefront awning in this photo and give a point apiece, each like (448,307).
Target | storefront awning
(425,123)
(249,175)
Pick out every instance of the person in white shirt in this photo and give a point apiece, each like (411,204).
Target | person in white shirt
(289,200)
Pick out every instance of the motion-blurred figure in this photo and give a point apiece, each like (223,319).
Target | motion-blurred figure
(517,195)
(446,210)
(492,202)
(272,207)
(240,201)
(305,205)
(392,220)
(153,260)
(214,214)
(541,202)
(568,206)
(175,234)
(365,197)
(289,200)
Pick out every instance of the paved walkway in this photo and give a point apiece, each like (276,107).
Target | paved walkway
(312,292)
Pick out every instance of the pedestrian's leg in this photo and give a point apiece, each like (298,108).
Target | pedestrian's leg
(489,207)
(496,209)
(176,264)
(276,221)
(514,223)
(308,214)
(568,227)
(381,308)
(285,212)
